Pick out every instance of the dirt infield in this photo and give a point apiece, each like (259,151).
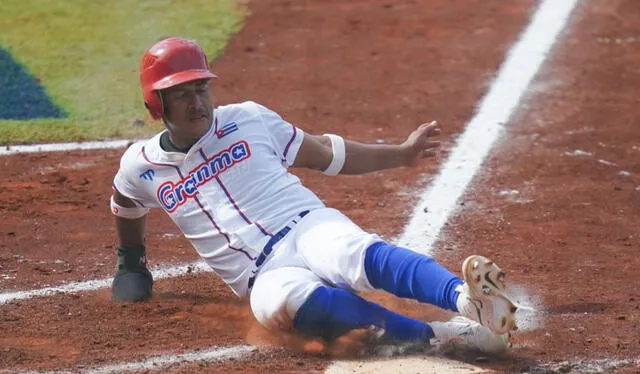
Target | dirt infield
(556,204)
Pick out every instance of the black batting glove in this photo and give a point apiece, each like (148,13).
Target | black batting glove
(133,281)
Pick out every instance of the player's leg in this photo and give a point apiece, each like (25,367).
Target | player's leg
(412,275)
(310,307)
(408,274)
(341,253)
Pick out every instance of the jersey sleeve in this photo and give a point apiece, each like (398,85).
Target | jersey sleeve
(126,181)
(286,137)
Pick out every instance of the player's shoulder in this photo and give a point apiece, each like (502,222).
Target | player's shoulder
(241,111)
(133,152)
(135,155)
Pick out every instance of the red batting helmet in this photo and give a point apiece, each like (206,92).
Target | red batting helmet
(168,63)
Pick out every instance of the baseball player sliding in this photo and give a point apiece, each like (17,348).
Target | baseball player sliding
(221,175)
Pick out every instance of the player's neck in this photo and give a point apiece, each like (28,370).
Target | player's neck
(169,144)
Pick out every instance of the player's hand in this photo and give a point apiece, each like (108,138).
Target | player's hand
(420,144)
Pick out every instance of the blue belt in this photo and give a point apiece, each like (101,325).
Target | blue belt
(268,248)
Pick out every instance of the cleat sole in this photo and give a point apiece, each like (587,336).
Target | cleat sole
(488,281)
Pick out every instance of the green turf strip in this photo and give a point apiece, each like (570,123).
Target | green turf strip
(86,55)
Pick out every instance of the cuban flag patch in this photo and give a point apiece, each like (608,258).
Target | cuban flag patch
(226,130)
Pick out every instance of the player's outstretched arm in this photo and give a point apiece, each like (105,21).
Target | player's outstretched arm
(133,281)
(333,155)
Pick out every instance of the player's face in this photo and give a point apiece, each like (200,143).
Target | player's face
(189,110)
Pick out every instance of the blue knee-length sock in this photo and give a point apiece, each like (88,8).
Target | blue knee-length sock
(411,275)
(331,312)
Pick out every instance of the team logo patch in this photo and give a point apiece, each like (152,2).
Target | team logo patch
(226,130)
(148,175)
(171,195)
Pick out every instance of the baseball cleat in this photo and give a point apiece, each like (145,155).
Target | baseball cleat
(461,333)
(483,296)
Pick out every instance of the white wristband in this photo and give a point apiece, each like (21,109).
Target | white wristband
(129,213)
(339,154)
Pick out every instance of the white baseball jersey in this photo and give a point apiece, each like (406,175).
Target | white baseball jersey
(230,193)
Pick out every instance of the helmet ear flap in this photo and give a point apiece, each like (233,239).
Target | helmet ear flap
(153,103)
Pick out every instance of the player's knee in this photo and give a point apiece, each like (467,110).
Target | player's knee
(272,315)
(277,310)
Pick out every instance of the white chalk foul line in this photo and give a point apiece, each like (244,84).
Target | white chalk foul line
(59,147)
(523,61)
(156,363)
(161,362)
(521,65)
(96,284)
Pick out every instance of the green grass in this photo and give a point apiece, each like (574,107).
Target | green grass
(86,54)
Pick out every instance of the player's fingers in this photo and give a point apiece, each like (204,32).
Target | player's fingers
(433,129)
(432,145)
(428,125)
(429,130)
(428,153)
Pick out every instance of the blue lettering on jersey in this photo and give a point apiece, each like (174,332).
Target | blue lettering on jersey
(172,195)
